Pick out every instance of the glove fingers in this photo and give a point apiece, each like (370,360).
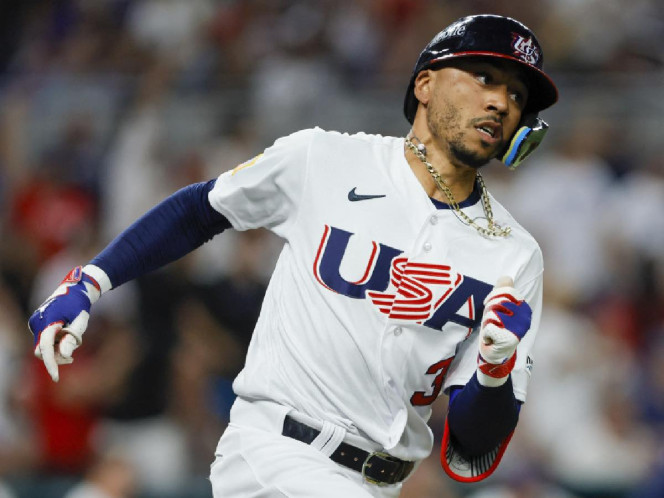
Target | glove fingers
(66,348)
(501,332)
(495,335)
(500,295)
(78,326)
(497,343)
(45,350)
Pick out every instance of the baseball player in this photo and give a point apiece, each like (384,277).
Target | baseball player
(401,278)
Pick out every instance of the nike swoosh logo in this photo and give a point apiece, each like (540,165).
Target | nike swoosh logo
(352,196)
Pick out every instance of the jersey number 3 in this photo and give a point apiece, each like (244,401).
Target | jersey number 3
(421,398)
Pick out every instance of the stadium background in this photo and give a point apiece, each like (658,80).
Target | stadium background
(107,106)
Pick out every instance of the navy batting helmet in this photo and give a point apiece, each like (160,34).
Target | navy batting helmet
(504,38)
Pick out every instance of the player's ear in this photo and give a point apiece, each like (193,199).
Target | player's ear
(422,86)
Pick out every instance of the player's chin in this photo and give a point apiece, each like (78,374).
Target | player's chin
(479,157)
(475,153)
(489,151)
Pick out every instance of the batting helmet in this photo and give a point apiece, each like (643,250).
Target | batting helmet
(504,38)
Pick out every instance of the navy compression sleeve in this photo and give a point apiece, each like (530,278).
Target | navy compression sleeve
(480,417)
(170,230)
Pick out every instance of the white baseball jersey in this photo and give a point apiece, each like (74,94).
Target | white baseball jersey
(369,313)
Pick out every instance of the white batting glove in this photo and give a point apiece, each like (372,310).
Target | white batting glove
(505,321)
(59,323)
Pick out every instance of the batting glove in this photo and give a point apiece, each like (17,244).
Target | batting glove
(58,324)
(505,321)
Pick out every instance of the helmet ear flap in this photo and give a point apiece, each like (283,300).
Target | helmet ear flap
(525,140)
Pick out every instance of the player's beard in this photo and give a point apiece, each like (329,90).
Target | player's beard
(445,123)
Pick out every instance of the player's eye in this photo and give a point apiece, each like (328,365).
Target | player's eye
(517,97)
(484,78)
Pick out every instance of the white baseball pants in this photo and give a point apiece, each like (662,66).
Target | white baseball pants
(253,460)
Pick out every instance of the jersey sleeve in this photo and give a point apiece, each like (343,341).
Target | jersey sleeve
(265,191)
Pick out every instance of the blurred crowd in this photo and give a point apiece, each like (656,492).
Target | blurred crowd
(108,106)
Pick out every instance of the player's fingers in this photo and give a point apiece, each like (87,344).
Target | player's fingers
(46,350)
(505,281)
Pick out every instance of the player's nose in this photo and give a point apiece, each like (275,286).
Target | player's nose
(497,100)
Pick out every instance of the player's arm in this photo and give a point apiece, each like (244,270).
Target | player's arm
(170,230)
(263,192)
(483,414)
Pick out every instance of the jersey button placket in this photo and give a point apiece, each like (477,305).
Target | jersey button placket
(398,331)
(427,246)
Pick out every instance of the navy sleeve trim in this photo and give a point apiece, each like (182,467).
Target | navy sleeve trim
(481,417)
(478,428)
(170,230)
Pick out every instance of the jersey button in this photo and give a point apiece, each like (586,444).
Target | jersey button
(398,331)
(427,246)
(433,220)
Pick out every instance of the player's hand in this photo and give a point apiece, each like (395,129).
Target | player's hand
(58,324)
(505,321)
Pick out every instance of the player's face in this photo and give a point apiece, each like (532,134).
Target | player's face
(474,108)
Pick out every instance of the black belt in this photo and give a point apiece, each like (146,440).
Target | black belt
(377,468)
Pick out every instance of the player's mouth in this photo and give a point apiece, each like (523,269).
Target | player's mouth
(490,132)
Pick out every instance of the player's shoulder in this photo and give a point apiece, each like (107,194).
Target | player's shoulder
(322,137)
(319,146)
(521,237)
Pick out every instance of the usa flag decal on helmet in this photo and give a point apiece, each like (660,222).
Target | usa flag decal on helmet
(525,48)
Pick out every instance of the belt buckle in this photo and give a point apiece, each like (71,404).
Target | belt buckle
(366,465)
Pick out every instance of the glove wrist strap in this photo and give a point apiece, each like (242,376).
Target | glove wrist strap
(494,375)
(99,276)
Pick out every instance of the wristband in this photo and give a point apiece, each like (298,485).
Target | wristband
(494,375)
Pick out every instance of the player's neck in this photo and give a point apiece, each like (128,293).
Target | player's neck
(459,178)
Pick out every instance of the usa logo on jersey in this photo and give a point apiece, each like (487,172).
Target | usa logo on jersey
(424,293)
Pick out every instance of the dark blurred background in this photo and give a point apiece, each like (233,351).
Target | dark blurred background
(108,106)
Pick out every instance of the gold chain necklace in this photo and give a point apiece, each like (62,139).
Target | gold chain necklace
(494,229)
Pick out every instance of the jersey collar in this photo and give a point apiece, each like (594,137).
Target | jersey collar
(471,200)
